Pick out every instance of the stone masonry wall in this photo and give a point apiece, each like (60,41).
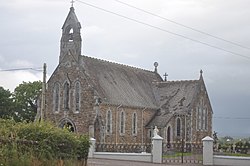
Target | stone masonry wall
(127,137)
(82,119)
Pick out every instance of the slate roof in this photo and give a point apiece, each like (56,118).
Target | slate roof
(120,84)
(175,97)
(134,87)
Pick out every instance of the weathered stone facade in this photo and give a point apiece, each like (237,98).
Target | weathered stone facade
(143,117)
(120,104)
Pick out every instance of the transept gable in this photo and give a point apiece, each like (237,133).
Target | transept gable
(175,98)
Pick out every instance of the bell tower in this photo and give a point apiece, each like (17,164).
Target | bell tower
(71,41)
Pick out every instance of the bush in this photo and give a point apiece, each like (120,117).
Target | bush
(25,143)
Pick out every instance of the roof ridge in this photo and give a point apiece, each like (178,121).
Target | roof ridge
(176,81)
(119,64)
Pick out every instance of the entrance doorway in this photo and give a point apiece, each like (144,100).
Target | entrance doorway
(67,124)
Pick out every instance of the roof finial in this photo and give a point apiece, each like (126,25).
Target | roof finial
(201,74)
(156,65)
(72,3)
(165,76)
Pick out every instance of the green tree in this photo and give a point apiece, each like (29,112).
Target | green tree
(6,104)
(25,98)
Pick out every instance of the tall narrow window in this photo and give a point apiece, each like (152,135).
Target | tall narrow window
(168,134)
(66,95)
(77,96)
(56,97)
(178,127)
(197,118)
(71,31)
(206,122)
(200,117)
(109,121)
(204,118)
(134,124)
(122,123)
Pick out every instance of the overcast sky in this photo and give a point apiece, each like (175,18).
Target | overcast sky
(30,35)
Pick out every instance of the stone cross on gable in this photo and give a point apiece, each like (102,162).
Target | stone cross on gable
(72,3)
(165,75)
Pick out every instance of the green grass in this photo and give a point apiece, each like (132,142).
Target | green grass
(177,154)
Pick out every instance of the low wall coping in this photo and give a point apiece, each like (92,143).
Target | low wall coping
(127,154)
(232,157)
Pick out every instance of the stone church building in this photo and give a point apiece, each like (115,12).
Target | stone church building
(120,104)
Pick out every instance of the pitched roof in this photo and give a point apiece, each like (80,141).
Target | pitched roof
(71,19)
(121,84)
(174,97)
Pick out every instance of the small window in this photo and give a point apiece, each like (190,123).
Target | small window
(66,95)
(77,96)
(178,127)
(134,124)
(122,122)
(56,97)
(71,31)
(168,134)
(150,133)
(206,119)
(109,122)
(200,118)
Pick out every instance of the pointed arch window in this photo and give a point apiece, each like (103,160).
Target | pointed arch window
(202,119)
(122,123)
(66,95)
(134,124)
(56,97)
(77,96)
(201,114)
(168,137)
(109,122)
(71,31)
(150,133)
(206,119)
(178,127)
(199,117)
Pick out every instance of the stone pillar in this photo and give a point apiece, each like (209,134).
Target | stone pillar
(208,156)
(91,148)
(157,149)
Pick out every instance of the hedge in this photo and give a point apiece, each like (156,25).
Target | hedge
(26,143)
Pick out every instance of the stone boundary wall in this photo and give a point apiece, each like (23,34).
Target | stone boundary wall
(210,159)
(231,160)
(155,156)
